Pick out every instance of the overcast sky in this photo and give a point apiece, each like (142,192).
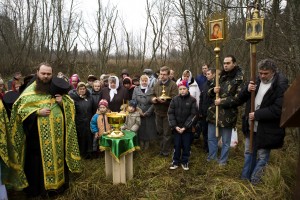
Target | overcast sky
(132,11)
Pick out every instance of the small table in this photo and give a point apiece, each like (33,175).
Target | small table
(118,156)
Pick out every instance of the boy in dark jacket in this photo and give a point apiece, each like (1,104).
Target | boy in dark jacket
(181,115)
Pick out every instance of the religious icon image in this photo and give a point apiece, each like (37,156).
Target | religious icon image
(258,28)
(216,30)
(254,29)
(249,29)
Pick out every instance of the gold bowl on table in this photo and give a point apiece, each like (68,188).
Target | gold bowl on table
(116,120)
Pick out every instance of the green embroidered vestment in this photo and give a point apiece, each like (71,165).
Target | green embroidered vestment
(57,136)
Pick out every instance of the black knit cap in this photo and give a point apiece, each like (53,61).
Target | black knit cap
(133,103)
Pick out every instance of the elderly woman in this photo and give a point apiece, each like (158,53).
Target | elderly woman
(193,86)
(115,94)
(142,94)
(83,106)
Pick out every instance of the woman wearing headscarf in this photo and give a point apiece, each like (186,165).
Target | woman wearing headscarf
(115,94)
(84,111)
(74,80)
(142,94)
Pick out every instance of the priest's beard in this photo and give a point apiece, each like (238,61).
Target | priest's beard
(42,87)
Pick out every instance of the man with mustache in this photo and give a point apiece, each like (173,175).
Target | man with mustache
(43,144)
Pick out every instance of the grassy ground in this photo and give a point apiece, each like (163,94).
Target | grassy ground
(153,179)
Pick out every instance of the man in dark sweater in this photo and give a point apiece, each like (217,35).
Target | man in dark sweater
(161,108)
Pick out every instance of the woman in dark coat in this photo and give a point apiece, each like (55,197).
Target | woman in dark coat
(127,83)
(142,94)
(115,94)
(83,106)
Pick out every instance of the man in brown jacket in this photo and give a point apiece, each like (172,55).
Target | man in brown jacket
(161,108)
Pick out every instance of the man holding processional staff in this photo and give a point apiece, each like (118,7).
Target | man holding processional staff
(222,115)
(230,84)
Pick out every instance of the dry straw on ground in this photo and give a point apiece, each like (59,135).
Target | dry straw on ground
(153,179)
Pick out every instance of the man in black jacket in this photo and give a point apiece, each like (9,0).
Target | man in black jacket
(269,90)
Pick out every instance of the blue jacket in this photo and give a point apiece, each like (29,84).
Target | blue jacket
(201,80)
(93,124)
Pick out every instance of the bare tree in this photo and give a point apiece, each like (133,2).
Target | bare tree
(158,13)
(17,31)
(106,23)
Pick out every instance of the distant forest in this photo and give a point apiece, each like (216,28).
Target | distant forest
(174,34)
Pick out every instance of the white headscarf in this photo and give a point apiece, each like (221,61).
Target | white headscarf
(190,78)
(148,82)
(180,79)
(113,91)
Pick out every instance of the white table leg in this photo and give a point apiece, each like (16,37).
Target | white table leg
(119,172)
(108,164)
(129,166)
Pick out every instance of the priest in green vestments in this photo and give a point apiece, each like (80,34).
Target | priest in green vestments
(4,130)
(43,144)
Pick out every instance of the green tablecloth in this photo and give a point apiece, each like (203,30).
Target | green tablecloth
(120,146)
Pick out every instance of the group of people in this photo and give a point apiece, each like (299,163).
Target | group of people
(56,120)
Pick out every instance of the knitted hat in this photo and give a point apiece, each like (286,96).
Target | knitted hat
(183,83)
(103,102)
(1,81)
(133,103)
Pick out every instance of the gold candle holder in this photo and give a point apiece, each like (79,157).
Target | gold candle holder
(163,96)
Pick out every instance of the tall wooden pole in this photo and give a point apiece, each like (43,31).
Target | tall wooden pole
(217,51)
(254,34)
(252,78)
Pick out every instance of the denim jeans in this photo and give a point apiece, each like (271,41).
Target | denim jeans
(263,156)
(182,147)
(255,162)
(213,143)
(249,160)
